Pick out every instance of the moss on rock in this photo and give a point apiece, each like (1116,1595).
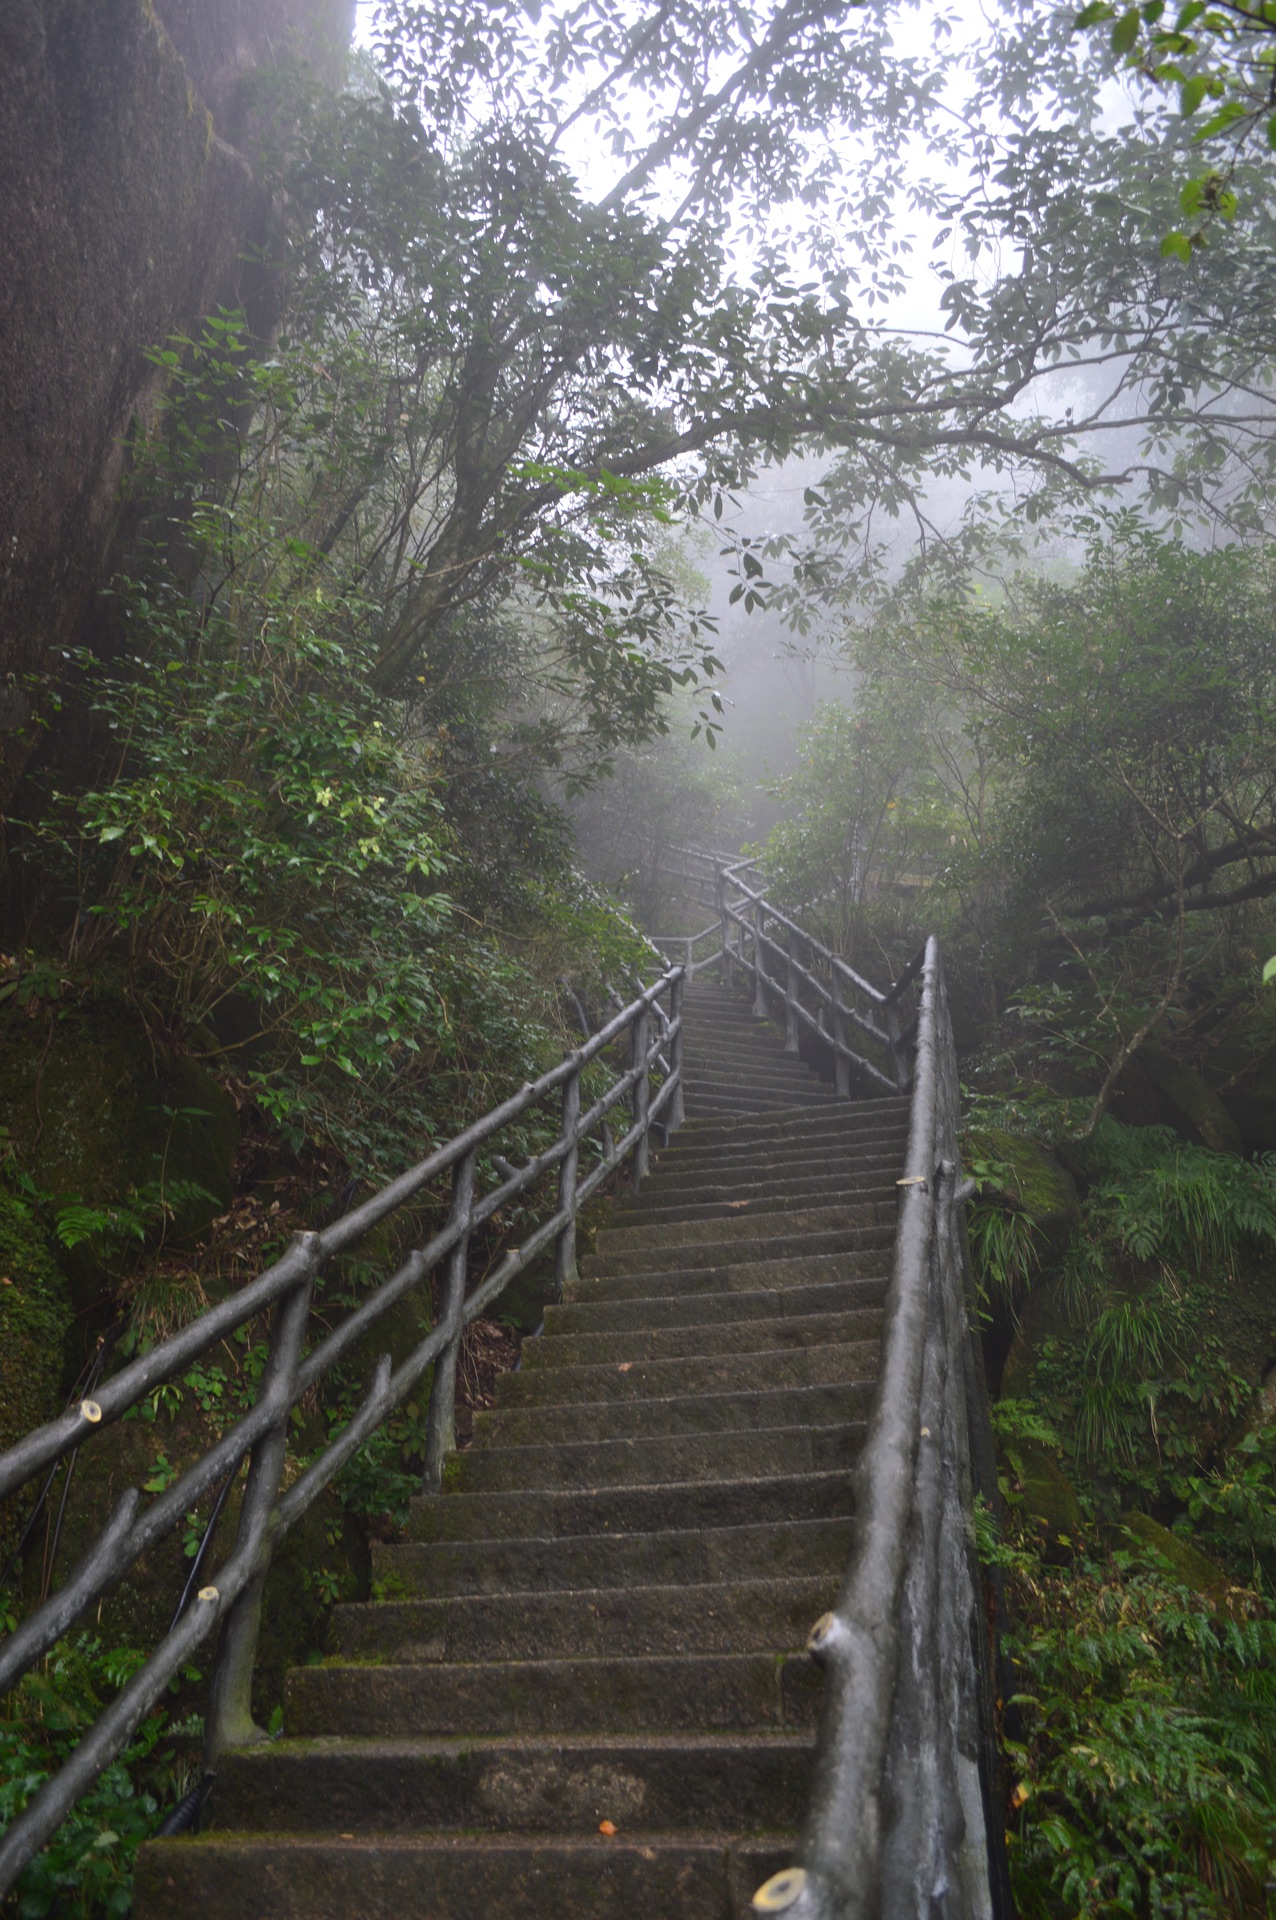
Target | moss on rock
(1159,1091)
(1030,1177)
(1192,1568)
(1049,1496)
(94,1109)
(35,1316)
(1241,1068)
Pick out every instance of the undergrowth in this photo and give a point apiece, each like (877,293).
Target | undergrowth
(1145,1763)
(1143,1734)
(86,1869)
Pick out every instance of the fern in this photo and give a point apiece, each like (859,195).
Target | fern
(1165,1199)
(1005,1246)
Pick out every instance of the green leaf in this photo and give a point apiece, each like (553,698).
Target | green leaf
(1191,95)
(1226,117)
(1094,14)
(1177,246)
(1125,32)
(1269,971)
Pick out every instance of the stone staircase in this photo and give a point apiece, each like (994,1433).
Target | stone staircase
(582,1688)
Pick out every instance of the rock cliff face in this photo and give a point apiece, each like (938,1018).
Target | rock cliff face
(130,209)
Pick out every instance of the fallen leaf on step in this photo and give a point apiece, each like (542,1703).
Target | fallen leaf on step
(605,1826)
(623,1366)
(737,1203)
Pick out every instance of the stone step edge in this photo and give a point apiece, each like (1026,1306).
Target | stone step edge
(502,1545)
(826,1474)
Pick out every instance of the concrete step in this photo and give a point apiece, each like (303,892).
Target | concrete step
(762,1335)
(619,1693)
(795,1188)
(693,1255)
(683,1555)
(555,1514)
(709,1045)
(727,1054)
(751,1094)
(673,1782)
(752,1204)
(344,1876)
(815,1171)
(735,1017)
(730,1009)
(830,1125)
(837,1118)
(738,1176)
(642,1460)
(707,1144)
(702,1309)
(760,1069)
(709,1099)
(734,1175)
(747,1617)
(822,1362)
(870,1266)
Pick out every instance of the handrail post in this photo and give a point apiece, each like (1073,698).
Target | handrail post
(440,1430)
(759,972)
(720,891)
(677,1106)
(790,999)
(841,1065)
(565,1244)
(229,1721)
(639,1044)
(894,1028)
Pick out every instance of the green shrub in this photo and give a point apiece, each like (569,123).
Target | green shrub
(86,1868)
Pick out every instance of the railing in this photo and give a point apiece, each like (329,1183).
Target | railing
(234,1597)
(795,975)
(904,1817)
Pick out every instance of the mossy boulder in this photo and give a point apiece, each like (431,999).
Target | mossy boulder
(96,1110)
(1241,1069)
(1189,1566)
(1029,1178)
(1025,1178)
(1156,1090)
(35,1316)
(1261,1417)
(1049,1497)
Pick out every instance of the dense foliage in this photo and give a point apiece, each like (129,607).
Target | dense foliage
(1144,1765)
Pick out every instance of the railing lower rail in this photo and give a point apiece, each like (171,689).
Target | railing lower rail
(650,1089)
(904,1817)
(796,975)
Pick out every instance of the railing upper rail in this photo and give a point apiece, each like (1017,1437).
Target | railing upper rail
(903,1818)
(818,990)
(234,1596)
